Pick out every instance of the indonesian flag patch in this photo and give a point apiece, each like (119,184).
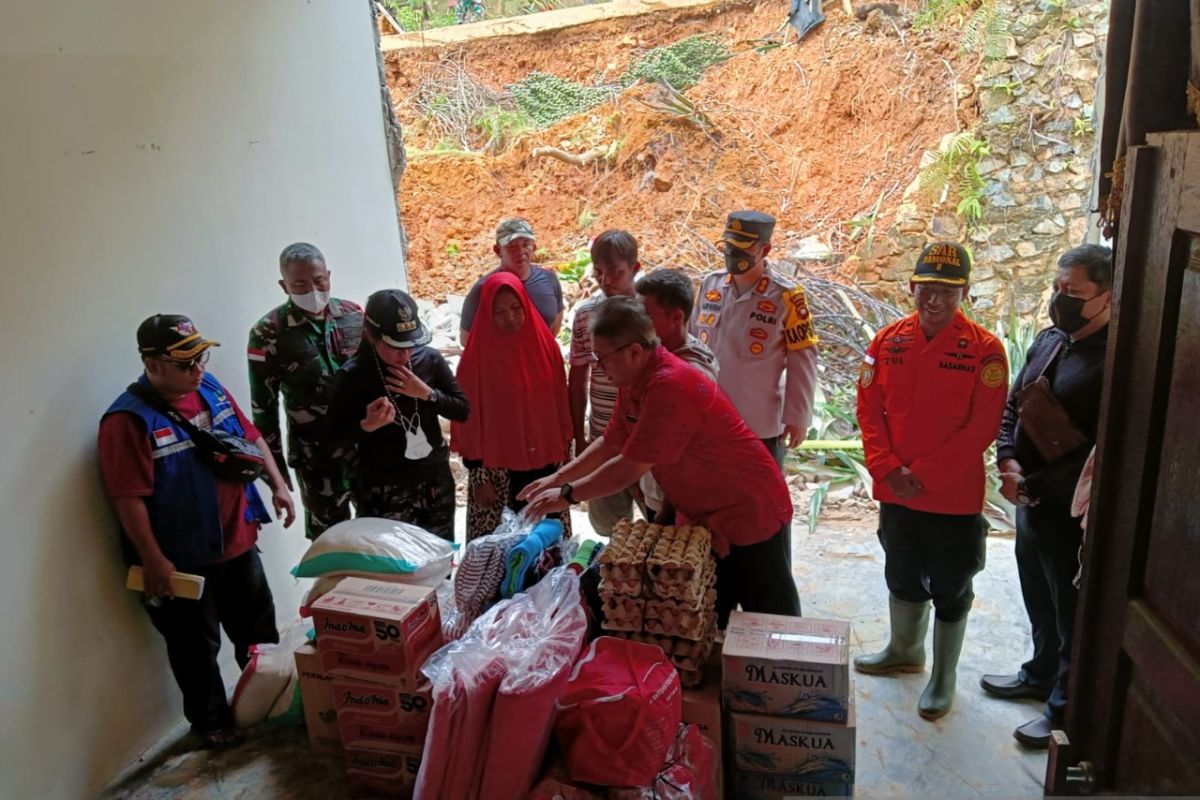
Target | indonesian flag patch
(164,437)
(256,355)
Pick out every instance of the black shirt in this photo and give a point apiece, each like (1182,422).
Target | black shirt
(382,451)
(1076,377)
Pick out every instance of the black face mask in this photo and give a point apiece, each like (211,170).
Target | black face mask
(737,261)
(1066,312)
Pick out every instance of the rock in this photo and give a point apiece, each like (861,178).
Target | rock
(1000,252)
(1073,101)
(1002,116)
(1055,166)
(982,272)
(981,235)
(985,288)
(1027,249)
(1048,227)
(1079,228)
(945,226)
(1002,199)
(1018,159)
(811,248)
(1082,39)
(1085,72)
(1072,202)
(662,184)
(1081,183)
(1042,203)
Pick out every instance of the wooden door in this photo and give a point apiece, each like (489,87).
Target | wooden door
(1133,717)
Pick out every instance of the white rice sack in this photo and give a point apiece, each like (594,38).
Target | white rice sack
(371,546)
(267,678)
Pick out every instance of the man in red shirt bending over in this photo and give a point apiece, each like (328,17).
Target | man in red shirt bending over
(178,516)
(930,395)
(673,421)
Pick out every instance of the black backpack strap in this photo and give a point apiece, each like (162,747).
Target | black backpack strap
(156,401)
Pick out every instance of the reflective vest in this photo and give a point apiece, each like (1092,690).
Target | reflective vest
(184,512)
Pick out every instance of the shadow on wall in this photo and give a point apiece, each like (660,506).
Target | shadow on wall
(83,613)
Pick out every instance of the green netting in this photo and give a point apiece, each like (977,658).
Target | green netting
(680,64)
(545,99)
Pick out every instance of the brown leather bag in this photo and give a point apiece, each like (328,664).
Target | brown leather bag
(1044,419)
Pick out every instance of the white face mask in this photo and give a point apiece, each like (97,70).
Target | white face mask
(313,302)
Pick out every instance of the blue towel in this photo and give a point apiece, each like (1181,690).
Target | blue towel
(524,555)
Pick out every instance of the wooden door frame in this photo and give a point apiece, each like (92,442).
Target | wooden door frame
(1158,195)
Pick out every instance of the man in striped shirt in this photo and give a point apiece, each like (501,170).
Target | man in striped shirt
(615,266)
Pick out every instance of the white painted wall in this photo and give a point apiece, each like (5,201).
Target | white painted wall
(154,156)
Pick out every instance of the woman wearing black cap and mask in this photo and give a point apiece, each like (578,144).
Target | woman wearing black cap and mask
(388,399)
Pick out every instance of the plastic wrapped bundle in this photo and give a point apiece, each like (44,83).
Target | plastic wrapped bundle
(688,774)
(495,691)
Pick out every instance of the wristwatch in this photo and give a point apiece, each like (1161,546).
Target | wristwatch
(567,493)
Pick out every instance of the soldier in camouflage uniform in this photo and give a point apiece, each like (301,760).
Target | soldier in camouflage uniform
(297,350)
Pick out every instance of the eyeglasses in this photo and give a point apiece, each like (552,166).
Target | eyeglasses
(600,359)
(187,366)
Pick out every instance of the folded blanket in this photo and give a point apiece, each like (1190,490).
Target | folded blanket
(524,555)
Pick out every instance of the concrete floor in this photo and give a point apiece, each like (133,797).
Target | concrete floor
(839,569)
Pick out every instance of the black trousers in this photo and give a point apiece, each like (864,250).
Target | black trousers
(758,578)
(930,556)
(237,598)
(1047,559)
(778,452)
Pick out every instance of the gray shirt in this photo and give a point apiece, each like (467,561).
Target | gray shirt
(544,292)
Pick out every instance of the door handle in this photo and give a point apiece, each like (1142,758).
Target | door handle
(1081,778)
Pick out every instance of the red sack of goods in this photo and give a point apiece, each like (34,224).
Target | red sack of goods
(619,714)
(688,774)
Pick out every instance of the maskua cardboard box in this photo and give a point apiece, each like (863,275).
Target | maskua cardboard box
(767,786)
(817,752)
(377,631)
(787,666)
(316,693)
(374,716)
(392,775)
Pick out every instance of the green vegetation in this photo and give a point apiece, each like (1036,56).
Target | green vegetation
(576,269)
(955,169)
(985,31)
(416,15)
(501,127)
(545,99)
(679,65)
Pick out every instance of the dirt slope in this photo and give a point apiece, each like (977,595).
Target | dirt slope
(814,133)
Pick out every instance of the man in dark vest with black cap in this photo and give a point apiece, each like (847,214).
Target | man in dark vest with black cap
(930,394)
(178,516)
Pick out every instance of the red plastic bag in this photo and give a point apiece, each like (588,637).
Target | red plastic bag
(619,714)
(688,774)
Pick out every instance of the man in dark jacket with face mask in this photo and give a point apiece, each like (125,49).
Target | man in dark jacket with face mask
(1070,356)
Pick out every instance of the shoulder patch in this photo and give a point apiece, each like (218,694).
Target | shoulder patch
(994,374)
(866,375)
(798,329)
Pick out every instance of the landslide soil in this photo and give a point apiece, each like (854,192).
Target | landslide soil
(816,133)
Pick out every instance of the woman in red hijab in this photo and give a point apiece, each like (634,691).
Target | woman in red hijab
(520,424)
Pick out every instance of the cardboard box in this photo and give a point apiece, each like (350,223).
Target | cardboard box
(377,631)
(382,774)
(821,752)
(702,707)
(765,786)
(374,716)
(316,692)
(787,666)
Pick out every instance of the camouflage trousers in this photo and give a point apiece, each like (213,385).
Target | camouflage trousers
(325,493)
(424,498)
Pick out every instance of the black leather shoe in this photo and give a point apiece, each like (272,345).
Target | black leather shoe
(1035,734)
(1011,687)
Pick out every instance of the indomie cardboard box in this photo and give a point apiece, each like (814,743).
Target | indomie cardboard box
(375,716)
(818,752)
(377,631)
(765,786)
(383,774)
(787,666)
(316,693)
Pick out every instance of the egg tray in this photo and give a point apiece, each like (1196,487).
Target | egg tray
(680,554)
(624,559)
(623,614)
(693,626)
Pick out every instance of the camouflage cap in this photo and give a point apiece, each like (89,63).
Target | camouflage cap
(515,228)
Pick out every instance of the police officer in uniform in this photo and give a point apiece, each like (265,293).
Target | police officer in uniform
(758,325)
(930,396)
(296,350)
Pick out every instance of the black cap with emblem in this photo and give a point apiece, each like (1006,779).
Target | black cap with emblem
(171,336)
(743,230)
(943,262)
(392,315)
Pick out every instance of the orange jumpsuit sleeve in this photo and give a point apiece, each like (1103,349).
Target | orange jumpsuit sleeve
(877,442)
(966,446)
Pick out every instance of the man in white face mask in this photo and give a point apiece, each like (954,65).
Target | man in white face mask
(296,350)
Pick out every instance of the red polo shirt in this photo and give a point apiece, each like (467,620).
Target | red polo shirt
(711,467)
(127,468)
